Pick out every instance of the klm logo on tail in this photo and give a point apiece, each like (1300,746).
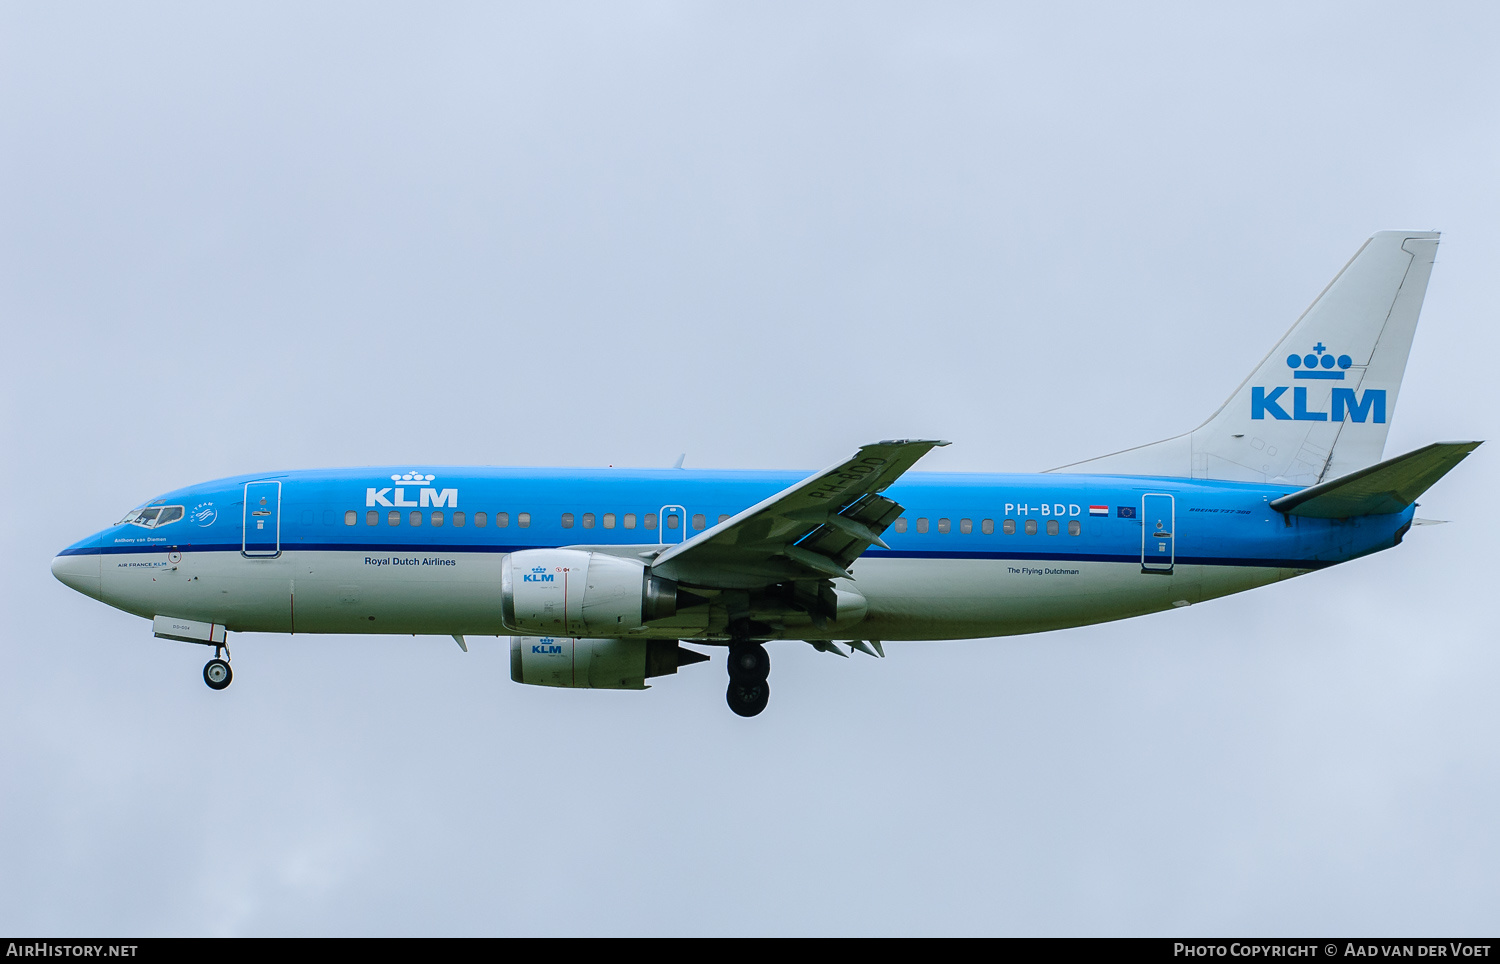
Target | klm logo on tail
(1316,364)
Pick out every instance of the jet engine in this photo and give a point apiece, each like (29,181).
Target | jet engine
(600,664)
(568,592)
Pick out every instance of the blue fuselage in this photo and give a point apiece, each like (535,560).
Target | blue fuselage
(381,549)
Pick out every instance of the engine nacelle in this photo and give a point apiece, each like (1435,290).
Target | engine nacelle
(570,592)
(600,664)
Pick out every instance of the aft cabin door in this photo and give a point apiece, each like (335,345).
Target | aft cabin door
(1158,534)
(262,519)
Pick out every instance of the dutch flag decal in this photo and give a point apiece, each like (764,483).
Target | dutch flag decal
(1098,510)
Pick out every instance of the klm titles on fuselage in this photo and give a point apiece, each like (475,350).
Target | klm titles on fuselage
(1347,403)
(428,496)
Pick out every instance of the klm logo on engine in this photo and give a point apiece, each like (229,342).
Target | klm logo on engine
(1347,403)
(539,574)
(428,496)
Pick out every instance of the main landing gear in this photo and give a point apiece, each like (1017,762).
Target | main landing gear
(749,670)
(216,673)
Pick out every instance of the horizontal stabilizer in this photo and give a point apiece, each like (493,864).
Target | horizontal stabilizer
(1381,489)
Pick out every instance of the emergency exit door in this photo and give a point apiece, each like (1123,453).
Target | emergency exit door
(1158,541)
(262,520)
(673,524)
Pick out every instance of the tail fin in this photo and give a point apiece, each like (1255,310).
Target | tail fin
(1320,404)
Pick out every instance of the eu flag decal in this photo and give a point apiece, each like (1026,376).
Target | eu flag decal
(1125,512)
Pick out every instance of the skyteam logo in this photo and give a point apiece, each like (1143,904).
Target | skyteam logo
(1320,365)
(427,496)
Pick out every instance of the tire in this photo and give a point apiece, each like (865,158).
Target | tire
(749,663)
(217,674)
(748,699)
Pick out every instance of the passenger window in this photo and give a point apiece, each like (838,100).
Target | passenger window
(351,517)
(1074,527)
(987,527)
(523,519)
(1052,527)
(393,518)
(567,520)
(482,519)
(609,520)
(1031,527)
(966,526)
(308,517)
(901,524)
(1008,527)
(329,517)
(502,520)
(630,520)
(674,521)
(651,520)
(944,525)
(372,518)
(416,517)
(922,524)
(437,518)
(723,518)
(458,519)
(588,520)
(698,520)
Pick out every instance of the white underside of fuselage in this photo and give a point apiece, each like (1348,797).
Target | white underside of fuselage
(458,593)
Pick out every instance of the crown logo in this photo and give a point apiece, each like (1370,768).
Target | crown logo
(1317,364)
(418,477)
(539,569)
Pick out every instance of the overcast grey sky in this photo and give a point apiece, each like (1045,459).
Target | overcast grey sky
(238,239)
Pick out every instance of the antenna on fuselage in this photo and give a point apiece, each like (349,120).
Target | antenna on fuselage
(680,460)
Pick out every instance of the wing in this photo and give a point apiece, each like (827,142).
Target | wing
(813,530)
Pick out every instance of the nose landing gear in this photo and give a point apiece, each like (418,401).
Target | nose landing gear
(749,669)
(216,673)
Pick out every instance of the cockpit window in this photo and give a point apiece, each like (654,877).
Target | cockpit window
(153,517)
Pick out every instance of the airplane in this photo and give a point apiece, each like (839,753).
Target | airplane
(600,577)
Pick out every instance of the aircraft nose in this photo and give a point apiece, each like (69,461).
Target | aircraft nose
(79,571)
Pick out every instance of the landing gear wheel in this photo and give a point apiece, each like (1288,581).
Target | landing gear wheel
(749,663)
(748,699)
(217,674)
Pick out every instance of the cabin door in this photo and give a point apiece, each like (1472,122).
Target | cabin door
(262,520)
(1158,534)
